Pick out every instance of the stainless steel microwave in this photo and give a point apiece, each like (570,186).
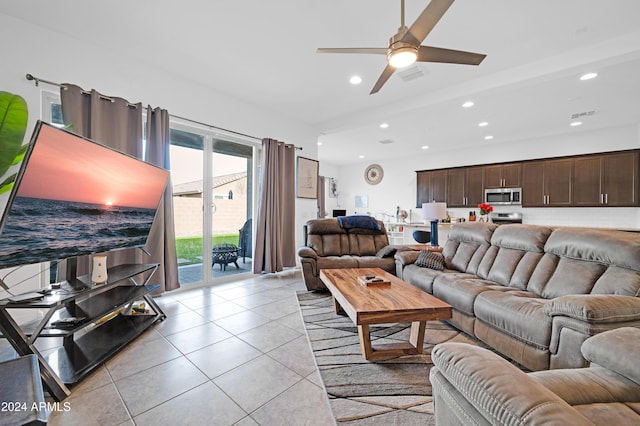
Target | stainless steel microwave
(503,196)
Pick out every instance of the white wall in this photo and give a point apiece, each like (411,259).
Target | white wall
(51,56)
(398,187)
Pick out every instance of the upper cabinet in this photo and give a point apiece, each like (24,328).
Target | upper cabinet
(593,180)
(465,186)
(432,186)
(508,175)
(547,183)
(606,180)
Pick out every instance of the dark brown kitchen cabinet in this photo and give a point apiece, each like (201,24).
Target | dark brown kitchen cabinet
(606,180)
(432,186)
(547,183)
(465,186)
(503,175)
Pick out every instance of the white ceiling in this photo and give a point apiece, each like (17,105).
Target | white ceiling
(264,52)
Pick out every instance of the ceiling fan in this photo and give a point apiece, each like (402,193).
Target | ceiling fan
(405,49)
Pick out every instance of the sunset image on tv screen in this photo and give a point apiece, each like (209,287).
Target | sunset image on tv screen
(77,197)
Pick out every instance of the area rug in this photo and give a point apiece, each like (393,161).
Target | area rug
(391,392)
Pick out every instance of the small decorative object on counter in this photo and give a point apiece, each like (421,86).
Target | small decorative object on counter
(485,209)
(99,272)
(472,216)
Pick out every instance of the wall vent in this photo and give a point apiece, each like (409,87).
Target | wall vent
(582,114)
(411,73)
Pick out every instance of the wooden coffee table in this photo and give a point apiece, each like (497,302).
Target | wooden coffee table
(383,304)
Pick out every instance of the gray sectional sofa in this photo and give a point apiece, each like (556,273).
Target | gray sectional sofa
(474,386)
(535,293)
(329,245)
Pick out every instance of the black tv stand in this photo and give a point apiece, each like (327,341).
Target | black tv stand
(104,313)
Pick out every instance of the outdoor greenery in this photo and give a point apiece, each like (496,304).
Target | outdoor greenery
(189,249)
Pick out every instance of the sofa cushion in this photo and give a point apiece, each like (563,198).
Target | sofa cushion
(461,290)
(617,280)
(421,277)
(519,249)
(431,260)
(521,237)
(466,246)
(625,341)
(519,314)
(572,276)
(387,263)
(608,247)
(366,244)
(336,262)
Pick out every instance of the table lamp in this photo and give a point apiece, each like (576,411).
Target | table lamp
(434,212)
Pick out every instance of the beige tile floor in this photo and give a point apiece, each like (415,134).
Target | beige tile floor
(229,354)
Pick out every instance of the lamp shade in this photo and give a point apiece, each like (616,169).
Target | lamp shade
(434,211)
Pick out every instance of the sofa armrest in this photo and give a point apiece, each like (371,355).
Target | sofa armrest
(497,389)
(595,308)
(307,252)
(605,349)
(406,257)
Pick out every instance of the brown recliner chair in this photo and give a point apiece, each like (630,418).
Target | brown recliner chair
(328,245)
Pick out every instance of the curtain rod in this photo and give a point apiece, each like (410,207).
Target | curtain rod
(37,81)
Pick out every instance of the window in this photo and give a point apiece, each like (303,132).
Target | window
(213,195)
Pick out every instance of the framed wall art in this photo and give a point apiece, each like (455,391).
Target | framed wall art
(307,178)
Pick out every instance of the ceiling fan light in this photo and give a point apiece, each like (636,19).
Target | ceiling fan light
(402,57)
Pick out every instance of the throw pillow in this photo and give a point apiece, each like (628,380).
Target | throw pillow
(387,251)
(428,259)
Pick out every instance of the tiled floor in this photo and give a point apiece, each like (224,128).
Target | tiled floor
(231,354)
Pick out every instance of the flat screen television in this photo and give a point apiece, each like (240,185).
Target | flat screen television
(73,196)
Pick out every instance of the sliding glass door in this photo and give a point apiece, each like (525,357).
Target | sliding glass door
(213,195)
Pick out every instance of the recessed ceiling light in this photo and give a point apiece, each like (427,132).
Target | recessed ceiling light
(425,147)
(467,104)
(360,156)
(319,143)
(588,76)
(356,79)
(576,123)
(384,125)
(483,123)
(489,137)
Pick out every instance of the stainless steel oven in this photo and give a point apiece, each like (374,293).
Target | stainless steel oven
(505,218)
(503,196)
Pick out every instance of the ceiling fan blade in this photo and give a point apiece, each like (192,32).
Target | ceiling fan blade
(388,71)
(428,19)
(438,54)
(370,50)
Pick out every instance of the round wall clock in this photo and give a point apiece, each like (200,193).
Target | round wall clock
(373,174)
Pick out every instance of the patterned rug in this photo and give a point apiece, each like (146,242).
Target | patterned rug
(392,392)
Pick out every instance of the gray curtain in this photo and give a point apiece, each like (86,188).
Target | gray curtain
(113,122)
(162,239)
(275,230)
(117,123)
(321,197)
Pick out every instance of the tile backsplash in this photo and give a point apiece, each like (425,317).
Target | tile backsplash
(600,217)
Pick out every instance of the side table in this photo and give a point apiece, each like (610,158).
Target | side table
(419,247)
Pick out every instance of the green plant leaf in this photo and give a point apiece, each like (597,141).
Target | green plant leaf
(13,125)
(7,184)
